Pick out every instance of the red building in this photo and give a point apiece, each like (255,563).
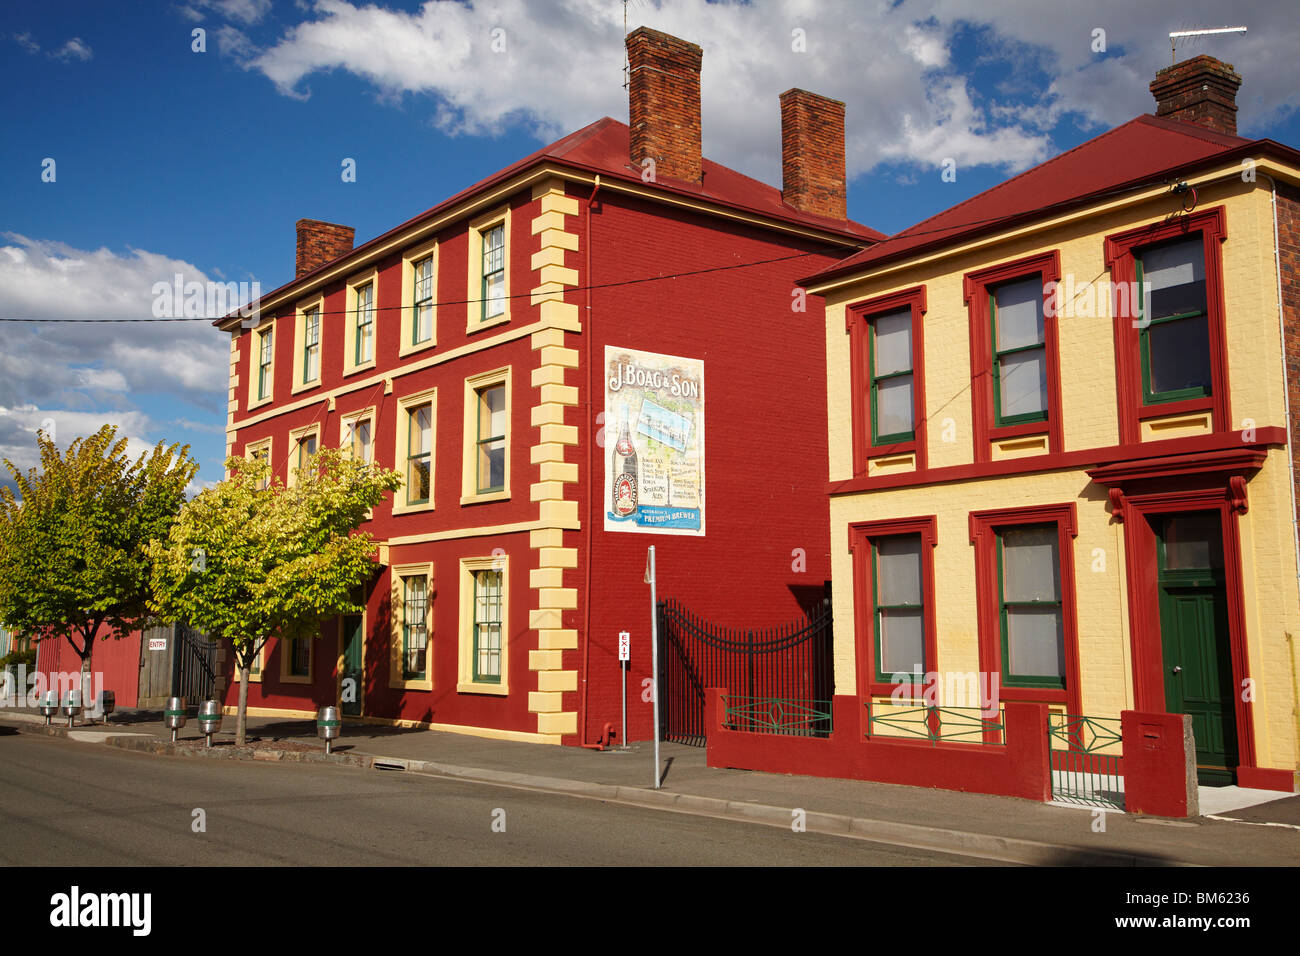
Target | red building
(543,356)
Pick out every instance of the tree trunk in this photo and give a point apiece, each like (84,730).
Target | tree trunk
(241,719)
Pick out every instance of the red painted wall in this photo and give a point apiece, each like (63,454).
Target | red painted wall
(117,660)
(765,437)
(765,471)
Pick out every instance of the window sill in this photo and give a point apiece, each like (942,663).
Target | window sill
(411,509)
(406,350)
(354,369)
(1039,427)
(485,497)
(473,327)
(305,386)
(260,402)
(1161,409)
(295,679)
(472,687)
(413,683)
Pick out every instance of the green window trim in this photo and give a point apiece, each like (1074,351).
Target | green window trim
(995,370)
(365,325)
(415,636)
(480,454)
(415,457)
(883,676)
(311,346)
(265,355)
(878,439)
(494,265)
(1150,397)
(492,647)
(422,297)
(1009,679)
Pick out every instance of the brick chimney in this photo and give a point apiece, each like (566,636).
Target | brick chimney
(1201,90)
(320,242)
(812,154)
(664,103)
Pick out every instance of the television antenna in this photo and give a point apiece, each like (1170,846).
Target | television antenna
(626,69)
(1173,37)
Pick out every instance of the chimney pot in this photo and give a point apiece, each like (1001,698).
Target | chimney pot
(812,154)
(321,242)
(1202,90)
(664,103)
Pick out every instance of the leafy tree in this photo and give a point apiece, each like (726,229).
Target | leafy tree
(253,559)
(74,540)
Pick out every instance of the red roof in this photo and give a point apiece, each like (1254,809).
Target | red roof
(1144,150)
(603,147)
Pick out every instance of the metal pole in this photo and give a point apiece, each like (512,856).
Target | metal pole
(654,657)
(622,665)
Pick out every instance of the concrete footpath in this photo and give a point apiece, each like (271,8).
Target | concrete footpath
(976,825)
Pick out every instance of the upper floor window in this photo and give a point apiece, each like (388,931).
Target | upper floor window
(1174,328)
(422,305)
(365,331)
(419,462)
(1171,363)
(265,356)
(494,272)
(311,346)
(1019,352)
(887,378)
(489,272)
(303,443)
(893,411)
(491,439)
(1015,357)
(358,439)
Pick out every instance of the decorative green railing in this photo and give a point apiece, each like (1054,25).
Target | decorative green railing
(777,715)
(935,724)
(1085,754)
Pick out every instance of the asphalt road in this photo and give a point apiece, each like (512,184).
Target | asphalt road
(78,804)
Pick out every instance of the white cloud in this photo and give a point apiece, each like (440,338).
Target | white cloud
(83,364)
(18,427)
(892,64)
(27,43)
(247,12)
(74,49)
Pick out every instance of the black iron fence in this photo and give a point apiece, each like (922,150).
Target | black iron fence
(791,663)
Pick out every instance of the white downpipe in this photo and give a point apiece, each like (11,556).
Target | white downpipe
(1281,331)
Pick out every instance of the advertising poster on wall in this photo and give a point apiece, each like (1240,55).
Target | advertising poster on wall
(654,440)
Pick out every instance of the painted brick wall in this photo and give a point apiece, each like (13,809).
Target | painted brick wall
(765,444)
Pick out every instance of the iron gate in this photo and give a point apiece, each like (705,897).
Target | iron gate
(1085,760)
(194,671)
(792,663)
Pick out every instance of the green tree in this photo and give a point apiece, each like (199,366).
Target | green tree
(74,539)
(252,559)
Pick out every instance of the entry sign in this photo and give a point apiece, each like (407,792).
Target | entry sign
(157,643)
(624,646)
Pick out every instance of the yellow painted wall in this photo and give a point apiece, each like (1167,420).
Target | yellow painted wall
(1088,395)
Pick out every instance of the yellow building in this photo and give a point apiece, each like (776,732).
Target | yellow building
(1059,422)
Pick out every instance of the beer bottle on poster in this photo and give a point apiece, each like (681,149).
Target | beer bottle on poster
(623,468)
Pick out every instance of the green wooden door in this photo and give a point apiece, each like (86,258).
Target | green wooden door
(1195,642)
(353,686)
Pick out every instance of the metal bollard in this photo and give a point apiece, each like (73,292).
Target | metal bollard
(328,726)
(72,706)
(50,705)
(174,715)
(209,718)
(107,704)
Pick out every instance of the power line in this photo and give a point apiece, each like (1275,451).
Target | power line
(393,308)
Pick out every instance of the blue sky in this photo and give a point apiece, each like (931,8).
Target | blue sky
(169,160)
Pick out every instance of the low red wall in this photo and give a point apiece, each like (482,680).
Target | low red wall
(1159,764)
(1020,768)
